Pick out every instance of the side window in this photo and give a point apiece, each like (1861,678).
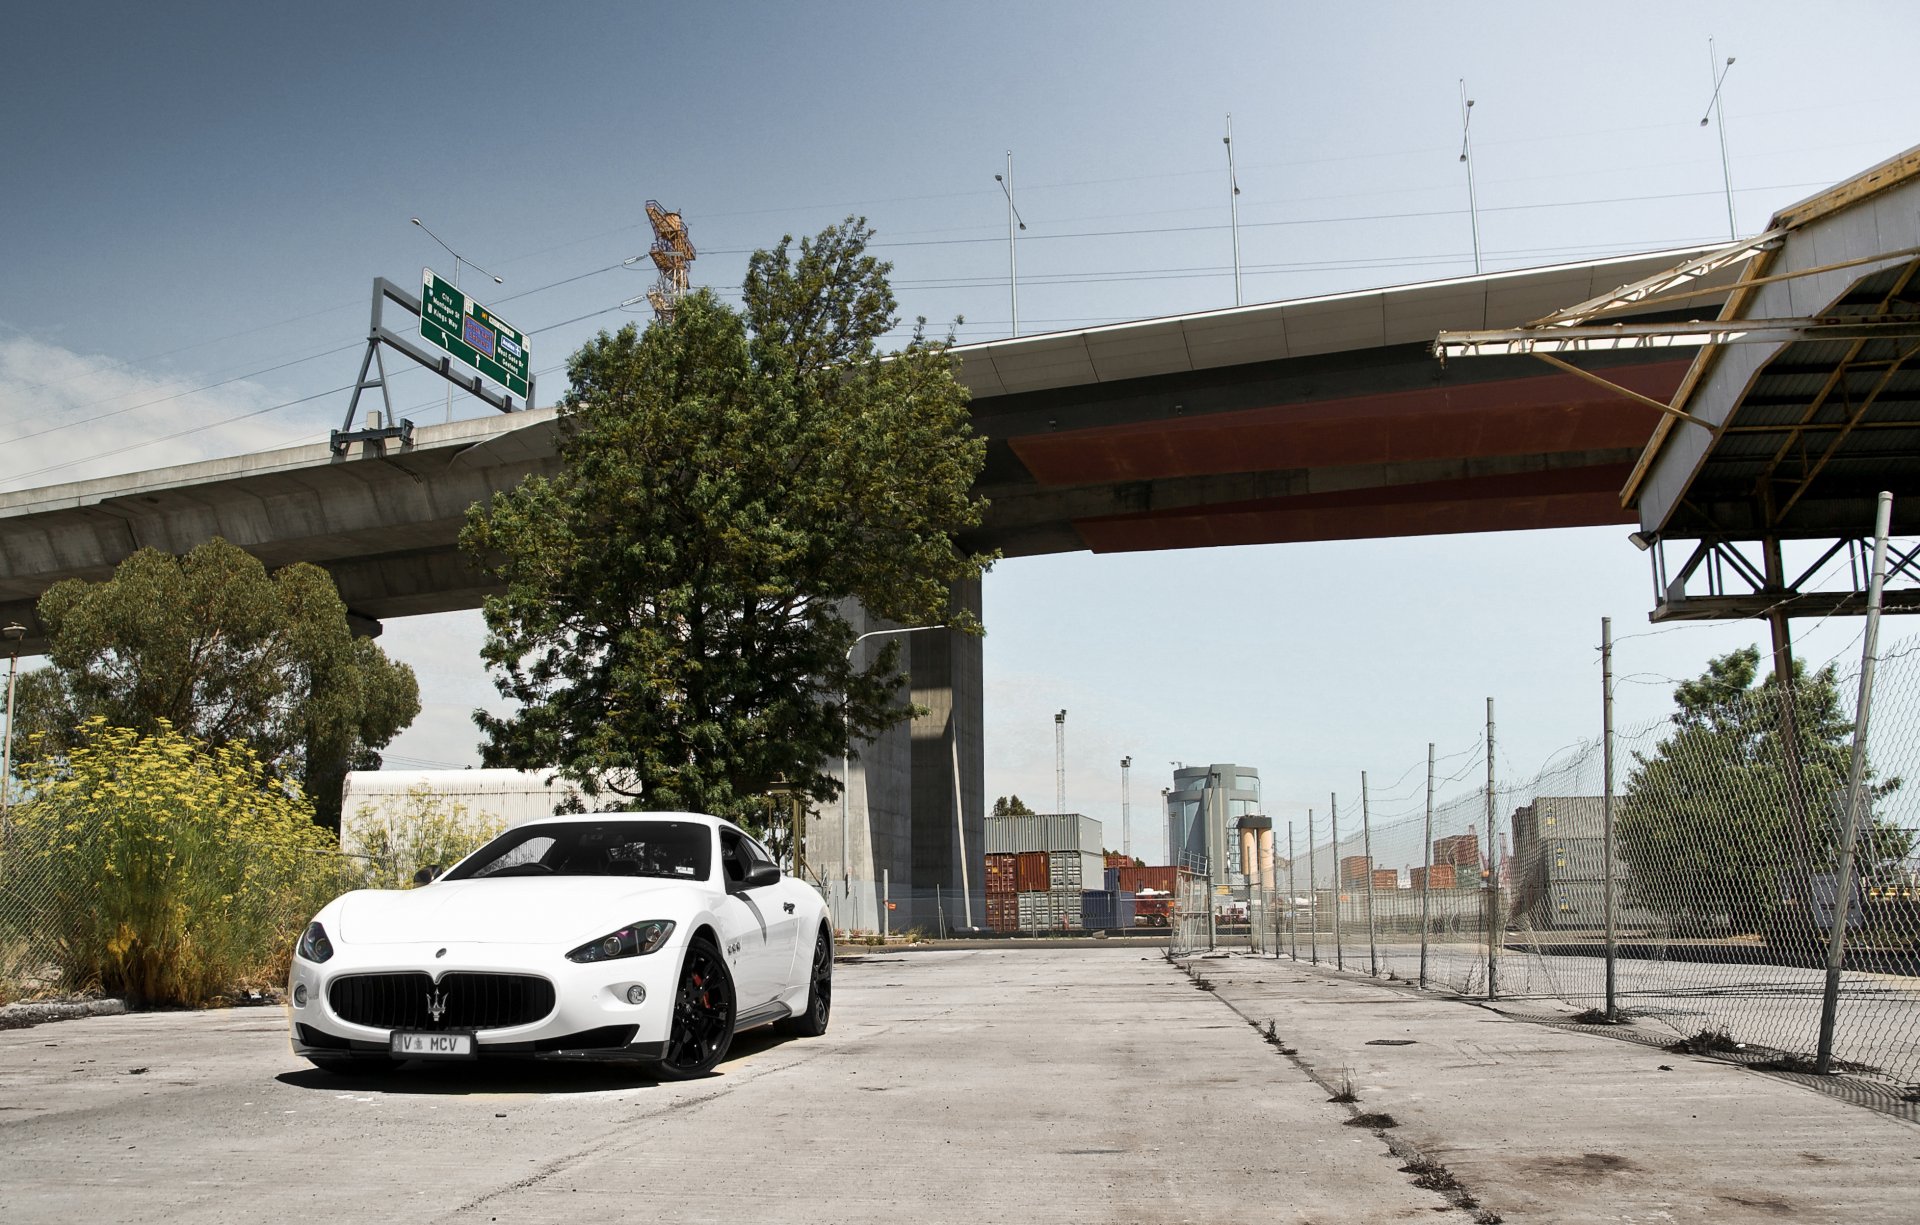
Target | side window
(733,855)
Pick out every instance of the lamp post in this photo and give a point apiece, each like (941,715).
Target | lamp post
(846,756)
(13,632)
(1719,73)
(1013,260)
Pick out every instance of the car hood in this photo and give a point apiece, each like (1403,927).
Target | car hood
(539,910)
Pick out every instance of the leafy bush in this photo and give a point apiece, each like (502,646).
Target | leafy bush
(154,867)
(429,831)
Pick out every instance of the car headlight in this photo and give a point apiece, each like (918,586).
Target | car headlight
(314,945)
(633,940)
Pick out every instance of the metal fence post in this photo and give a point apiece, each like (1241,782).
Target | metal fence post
(1339,948)
(1492,870)
(1293,920)
(1606,807)
(1366,850)
(1313,894)
(1843,874)
(1426,873)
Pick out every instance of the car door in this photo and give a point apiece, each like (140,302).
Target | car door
(783,919)
(749,913)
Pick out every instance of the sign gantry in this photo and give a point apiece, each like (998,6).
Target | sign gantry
(460,329)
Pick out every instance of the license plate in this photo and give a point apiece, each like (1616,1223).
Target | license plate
(411,1044)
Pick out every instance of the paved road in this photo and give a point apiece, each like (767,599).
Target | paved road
(1013,1085)
(1016,1086)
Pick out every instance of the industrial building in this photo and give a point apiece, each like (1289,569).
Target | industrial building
(1204,808)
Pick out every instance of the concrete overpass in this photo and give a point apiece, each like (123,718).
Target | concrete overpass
(1321,419)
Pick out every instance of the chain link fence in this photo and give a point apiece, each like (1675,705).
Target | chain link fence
(60,928)
(1727,820)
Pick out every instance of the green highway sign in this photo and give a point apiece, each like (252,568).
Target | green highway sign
(470,332)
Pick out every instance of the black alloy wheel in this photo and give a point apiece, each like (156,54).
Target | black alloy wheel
(703,1012)
(813,1022)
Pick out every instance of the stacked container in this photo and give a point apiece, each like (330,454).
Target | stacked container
(1051,860)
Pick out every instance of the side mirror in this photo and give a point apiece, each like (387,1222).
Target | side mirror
(762,874)
(428,874)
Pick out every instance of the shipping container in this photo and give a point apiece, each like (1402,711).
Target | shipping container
(1000,875)
(1073,870)
(1444,876)
(1112,878)
(1003,912)
(1354,868)
(1064,909)
(1459,851)
(1133,880)
(1047,832)
(1103,909)
(1385,878)
(1116,860)
(1032,910)
(1031,872)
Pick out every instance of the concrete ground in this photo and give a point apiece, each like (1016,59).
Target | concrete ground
(1002,1085)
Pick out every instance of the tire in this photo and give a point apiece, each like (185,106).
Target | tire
(813,1022)
(704,1008)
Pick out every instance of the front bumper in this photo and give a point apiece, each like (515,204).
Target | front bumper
(591,1018)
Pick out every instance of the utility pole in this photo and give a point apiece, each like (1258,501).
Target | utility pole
(1126,807)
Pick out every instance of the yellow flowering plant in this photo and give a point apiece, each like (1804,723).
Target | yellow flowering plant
(157,868)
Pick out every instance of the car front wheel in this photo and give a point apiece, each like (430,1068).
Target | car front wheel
(703,1013)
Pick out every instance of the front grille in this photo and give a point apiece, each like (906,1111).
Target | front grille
(464,1000)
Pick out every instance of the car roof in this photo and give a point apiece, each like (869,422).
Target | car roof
(698,817)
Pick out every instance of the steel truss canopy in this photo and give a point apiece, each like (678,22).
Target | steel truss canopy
(1801,404)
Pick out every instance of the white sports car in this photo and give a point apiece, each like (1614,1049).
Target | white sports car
(649,938)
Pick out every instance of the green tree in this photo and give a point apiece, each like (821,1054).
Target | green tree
(672,623)
(216,647)
(1712,828)
(1011,806)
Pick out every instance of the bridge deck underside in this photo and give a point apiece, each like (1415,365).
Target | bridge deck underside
(1421,451)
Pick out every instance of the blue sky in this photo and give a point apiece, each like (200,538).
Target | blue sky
(197,198)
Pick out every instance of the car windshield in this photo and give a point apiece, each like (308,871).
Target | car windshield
(676,850)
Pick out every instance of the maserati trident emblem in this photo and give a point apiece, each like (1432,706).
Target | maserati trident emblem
(436,1005)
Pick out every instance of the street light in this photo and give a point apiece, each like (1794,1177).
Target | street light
(13,632)
(846,754)
(1013,260)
